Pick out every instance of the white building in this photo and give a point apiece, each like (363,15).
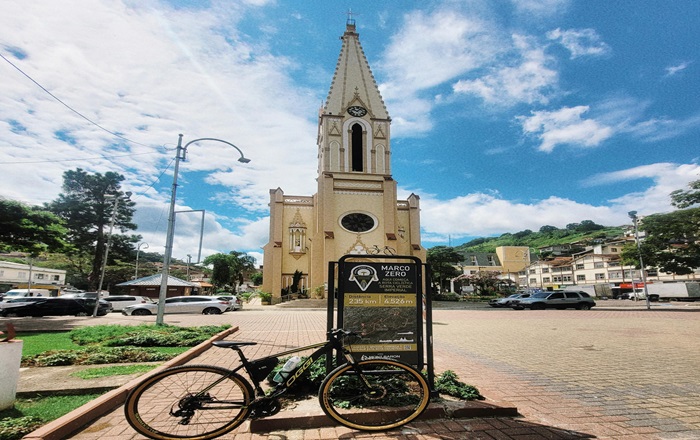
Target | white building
(16,275)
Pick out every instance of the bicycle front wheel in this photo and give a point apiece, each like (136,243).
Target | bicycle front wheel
(374,395)
(196,402)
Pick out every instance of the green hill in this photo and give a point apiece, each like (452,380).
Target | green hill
(585,233)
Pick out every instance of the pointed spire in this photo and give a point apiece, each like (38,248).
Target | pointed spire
(353,82)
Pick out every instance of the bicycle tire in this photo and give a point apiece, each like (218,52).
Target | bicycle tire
(148,407)
(399,395)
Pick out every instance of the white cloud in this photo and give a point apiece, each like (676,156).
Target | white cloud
(673,70)
(529,78)
(481,214)
(540,8)
(565,127)
(580,42)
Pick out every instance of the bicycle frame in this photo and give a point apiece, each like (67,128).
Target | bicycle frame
(326,347)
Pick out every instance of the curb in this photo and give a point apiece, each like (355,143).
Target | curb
(64,426)
(312,417)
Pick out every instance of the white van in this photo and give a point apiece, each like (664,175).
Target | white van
(23,293)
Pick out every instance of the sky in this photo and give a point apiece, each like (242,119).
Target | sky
(506,115)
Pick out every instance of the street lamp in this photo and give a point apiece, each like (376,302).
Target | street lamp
(109,243)
(635,221)
(179,155)
(189,260)
(138,249)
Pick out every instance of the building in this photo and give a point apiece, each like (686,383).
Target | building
(150,287)
(16,275)
(355,209)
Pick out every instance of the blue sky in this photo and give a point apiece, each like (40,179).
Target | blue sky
(506,115)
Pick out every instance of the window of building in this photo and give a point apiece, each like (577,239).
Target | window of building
(556,279)
(616,274)
(545,280)
(566,278)
(489,258)
(473,260)
(600,276)
(581,277)
(545,270)
(613,249)
(614,264)
(39,276)
(533,280)
(598,264)
(358,222)
(566,268)
(357,148)
(57,278)
(532,271)
(580,266)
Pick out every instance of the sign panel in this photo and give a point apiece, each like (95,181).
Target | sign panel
(381,301)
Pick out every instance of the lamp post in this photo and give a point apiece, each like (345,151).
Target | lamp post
(635,221)
(138,249)
(189,260)
(109,242)
(179,155)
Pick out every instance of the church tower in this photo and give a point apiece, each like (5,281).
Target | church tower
(355,209)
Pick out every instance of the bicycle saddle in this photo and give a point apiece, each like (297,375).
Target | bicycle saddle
(232,344)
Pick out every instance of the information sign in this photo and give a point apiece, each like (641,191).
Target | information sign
(382,302)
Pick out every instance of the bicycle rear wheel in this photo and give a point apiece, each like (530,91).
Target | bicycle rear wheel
(196,402)
(397,394)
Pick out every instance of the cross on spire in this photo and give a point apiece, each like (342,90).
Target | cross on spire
(351,21)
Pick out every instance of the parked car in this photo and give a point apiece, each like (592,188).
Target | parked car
(555,300)
(236,303)
(507,301)
(59,307)
(23,293)
(15,302)
(207,305)
(119,302)
(91,295)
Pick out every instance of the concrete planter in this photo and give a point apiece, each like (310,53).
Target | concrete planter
(10,359)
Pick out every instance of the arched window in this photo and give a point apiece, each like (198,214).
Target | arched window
(356,149)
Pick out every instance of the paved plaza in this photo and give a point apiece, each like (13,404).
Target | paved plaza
(607,373)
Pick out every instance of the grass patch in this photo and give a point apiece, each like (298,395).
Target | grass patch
(114,370)
(37,343)
(30,414)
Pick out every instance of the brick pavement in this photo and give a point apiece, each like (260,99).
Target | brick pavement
(609,374)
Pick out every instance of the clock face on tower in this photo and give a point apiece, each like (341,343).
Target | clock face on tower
(356,110)
(357,222)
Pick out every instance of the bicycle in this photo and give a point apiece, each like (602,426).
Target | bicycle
(376,250)
(203,401)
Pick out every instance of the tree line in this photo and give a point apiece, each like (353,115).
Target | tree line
(72,231)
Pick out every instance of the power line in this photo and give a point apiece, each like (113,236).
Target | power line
(68,106)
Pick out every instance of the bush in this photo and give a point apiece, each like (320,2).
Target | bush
(449,296)
(16,428)
(265,297)
(448,383)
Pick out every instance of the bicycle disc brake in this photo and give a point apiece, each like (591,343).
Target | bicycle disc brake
(187,406)
(265,408)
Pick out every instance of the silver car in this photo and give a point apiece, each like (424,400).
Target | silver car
(508,300)
(206,305)
(555,300)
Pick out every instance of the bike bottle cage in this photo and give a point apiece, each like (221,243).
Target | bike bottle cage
(232,344)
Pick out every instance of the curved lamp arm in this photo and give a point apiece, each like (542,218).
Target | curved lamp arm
(241,159)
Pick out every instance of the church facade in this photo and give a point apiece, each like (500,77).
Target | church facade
(355,209)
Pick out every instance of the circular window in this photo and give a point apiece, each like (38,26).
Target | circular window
(357,222)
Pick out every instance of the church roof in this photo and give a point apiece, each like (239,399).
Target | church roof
(353,82)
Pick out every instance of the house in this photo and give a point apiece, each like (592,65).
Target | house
(150,287)
(17,275)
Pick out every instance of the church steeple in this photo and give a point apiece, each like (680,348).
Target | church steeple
(353,83)
(354,123)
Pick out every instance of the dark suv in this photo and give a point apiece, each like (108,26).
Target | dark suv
(555,300)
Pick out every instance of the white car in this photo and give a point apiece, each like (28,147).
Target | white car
(206,305)
(120,302)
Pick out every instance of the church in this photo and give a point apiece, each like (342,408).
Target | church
(355,209)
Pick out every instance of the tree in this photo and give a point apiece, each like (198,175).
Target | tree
(686,199)
(30,229)
(671,243)
(442,260)
(228,269)
(86,206)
